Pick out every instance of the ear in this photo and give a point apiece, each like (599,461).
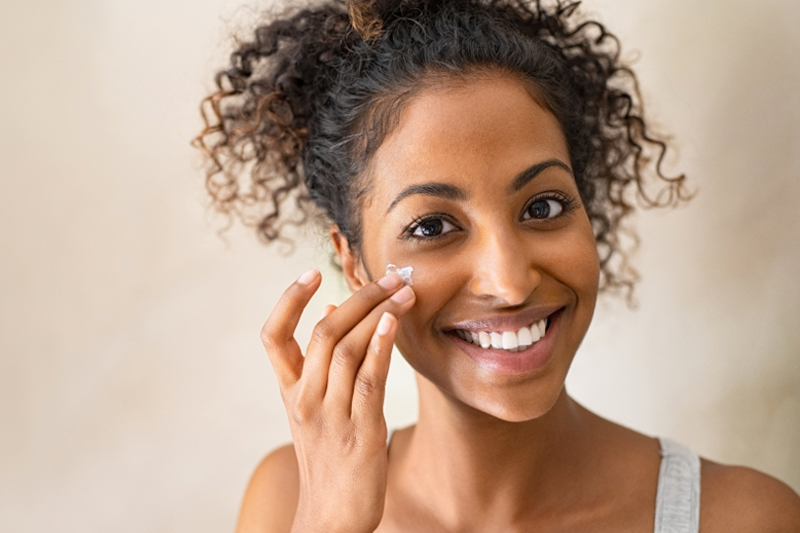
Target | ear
(352,268)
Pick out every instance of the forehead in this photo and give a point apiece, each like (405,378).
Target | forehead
(486,128)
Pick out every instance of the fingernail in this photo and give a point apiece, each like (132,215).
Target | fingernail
(385,324)
(309,276)
(403,295)
(391,281)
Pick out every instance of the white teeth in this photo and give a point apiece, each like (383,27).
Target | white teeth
(497,340)
(524,337)
(509,340)
(485,339)
(513,341)
(535,333)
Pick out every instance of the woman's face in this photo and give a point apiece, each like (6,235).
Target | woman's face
(474,190)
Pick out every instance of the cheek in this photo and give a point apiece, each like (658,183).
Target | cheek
(574,263)
(433,272)
(436,281)
(417,338)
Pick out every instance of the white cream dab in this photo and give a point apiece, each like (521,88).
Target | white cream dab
(405,273)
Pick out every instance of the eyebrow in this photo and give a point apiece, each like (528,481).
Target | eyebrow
(440,190)
(527,175)
(451,192)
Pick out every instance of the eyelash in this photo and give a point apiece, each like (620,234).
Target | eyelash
(568,205)
(408,232)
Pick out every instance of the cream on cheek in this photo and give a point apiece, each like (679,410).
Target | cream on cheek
(406,273)
(438,280)
(434,275)
(420,338)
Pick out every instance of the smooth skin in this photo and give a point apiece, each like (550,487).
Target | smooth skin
(492,450)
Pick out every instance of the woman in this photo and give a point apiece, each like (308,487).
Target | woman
(495,148)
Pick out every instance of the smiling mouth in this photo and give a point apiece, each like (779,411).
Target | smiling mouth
(511,341)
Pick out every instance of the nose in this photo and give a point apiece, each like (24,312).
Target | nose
(503,269)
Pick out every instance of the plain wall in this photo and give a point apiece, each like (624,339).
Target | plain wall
(134,393)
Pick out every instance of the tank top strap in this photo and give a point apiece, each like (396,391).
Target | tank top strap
(678,496)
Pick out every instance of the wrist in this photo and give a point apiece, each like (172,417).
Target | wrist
(307,526)
(314,523)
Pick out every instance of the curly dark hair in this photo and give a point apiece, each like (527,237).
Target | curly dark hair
(310,97)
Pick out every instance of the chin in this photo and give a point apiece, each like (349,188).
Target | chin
(479,384)
(521,401)
(516,407)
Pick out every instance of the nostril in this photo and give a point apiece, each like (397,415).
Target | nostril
(510,291)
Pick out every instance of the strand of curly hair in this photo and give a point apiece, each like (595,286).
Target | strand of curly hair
(286,133)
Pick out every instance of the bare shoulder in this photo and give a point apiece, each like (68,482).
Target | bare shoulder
(740,499)
(271,497)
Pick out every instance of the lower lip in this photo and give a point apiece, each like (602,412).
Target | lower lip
(532,358)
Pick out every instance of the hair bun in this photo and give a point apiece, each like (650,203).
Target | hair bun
(365,17)
(369,17)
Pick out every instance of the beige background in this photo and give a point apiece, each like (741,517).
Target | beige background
(134,394)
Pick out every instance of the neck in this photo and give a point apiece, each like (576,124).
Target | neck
(462,460)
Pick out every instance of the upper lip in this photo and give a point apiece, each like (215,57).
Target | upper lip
(509,322)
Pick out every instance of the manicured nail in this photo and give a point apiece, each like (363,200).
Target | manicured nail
(385,324)
(403,295)
(309,276)
(392,281)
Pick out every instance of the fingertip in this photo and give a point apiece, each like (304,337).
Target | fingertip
(330,308)
(308,277)
(404,295)
(390,281)
(385,324)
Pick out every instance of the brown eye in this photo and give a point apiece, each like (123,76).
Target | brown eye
(431,228)
(544,208)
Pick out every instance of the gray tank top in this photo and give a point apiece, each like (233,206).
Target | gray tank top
(678,496)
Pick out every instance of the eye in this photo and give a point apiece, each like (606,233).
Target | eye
(543,208)
(430,228)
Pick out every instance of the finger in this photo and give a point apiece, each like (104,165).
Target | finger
(331,329)
(277,334)
(370,382)
(330,308)
(349,354)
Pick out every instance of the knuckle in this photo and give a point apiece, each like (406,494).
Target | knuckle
(367,385)
(351,441)
(343,354)
(302,413)
(323,332)
(299,417)
(268,337)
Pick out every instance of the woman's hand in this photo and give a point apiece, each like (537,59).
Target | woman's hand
(334,399)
